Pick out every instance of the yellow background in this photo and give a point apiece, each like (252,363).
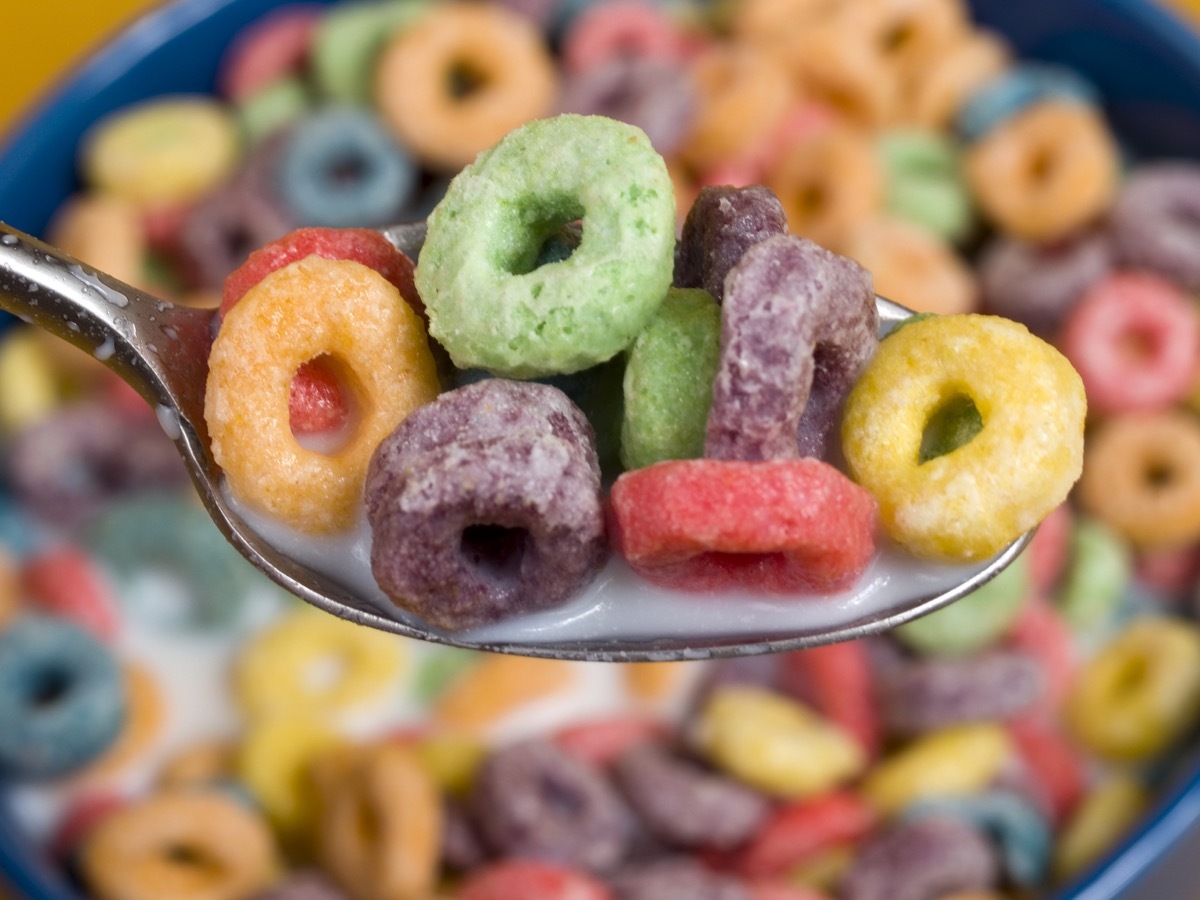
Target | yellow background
(41,38)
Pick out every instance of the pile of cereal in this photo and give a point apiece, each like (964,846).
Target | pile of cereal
(172,726)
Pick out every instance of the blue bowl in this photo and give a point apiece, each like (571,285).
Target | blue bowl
(1145,61)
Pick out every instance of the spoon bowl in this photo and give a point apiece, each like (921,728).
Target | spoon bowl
(161,349)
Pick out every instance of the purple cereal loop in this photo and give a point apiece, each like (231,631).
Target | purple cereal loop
(675,879)
(534,800)
(1038,284)
(922,859)
(486,504)
(930,694)
(223,229)
(462,848)
(723,223)
(1155,221)
(303,884)
(656,95)
(797,326)
(684,805)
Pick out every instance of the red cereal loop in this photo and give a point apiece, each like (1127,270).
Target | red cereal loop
(1053,762)
(1171,570)
(1134,338)
(781,890)
(264,51)
(362,245)
(531,880)
(779,526)
(837,680)
(1043,634)
(318,400)
(66,581)
(621,28)
(800,830)
(601,741)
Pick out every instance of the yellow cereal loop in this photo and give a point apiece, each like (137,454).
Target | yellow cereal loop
(274,761)
(162,152)
(497,686)
(313,307)
(10,588)
(28,384)
(970,503)
(1107,812)
(316,662)
(774,743)
(1140,693)
(952,762)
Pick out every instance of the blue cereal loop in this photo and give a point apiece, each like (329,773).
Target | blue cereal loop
(1018,88)
(340,168)
(1018,830)
(62,698)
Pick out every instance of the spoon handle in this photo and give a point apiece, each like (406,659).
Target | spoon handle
(160,349)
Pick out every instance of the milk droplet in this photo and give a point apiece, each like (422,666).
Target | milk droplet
(105,350)
(113,296)
(9,240)
(169,420)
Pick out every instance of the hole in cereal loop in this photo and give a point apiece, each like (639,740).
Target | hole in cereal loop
(325,404)
(952,425)
(496,551)
(50,687)
(464,80)
(551,236)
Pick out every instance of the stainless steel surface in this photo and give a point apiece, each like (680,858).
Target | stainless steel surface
(162,349)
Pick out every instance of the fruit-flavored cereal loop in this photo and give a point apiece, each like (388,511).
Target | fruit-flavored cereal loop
(1024,471)
(781,526)
(163,152)
(486,503)
(315,662)
(1142,477)
(311,308)
(1046,172)
(460,78)
(492,306)
(1153,225)
(1140,693)
(1134,338)
(193,845)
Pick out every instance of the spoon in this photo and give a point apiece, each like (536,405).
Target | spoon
(161,349)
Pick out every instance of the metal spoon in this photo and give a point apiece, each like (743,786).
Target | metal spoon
(161,349)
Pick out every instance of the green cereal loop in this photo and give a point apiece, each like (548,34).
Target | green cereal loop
(160,531)
(974,622)
(668,380)
(1100,569)
(269,109)
(488,304)
(925,184)
(348,42)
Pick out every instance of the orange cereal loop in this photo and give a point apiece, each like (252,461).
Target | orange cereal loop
(181,844)
(145,715)
(380,831)
(768,21)
(839,64)
(911,34)
(199,764)
(829,184)
(312,307)
(497,686)
(104,231)
(460,78)
(914,267)
(938,89)
(743,95)
(1046,172)
(654,681)
(1142,477)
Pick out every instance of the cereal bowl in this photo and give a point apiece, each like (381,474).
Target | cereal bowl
(1145,63)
